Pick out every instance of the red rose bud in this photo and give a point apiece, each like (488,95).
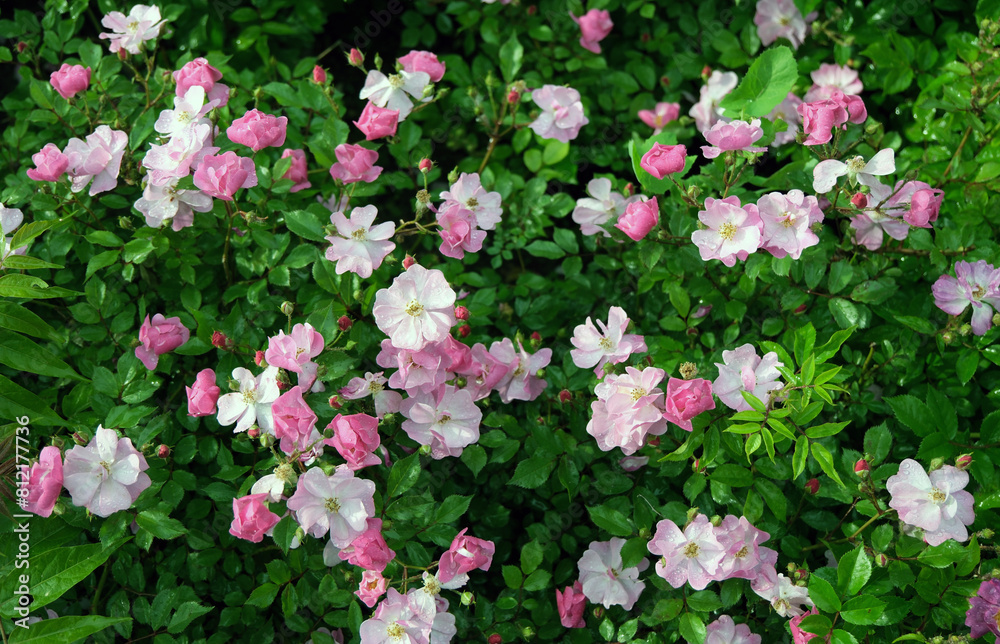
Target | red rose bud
(21,46)
(461,313)
(964,461)
(565,396)
(653,441)
(536,336)
(319,75)
(253,432)
(513,97)
(860,200)
(800,309)
(282,385)
(706,71)
(495,639)
(355,58)
(881,560)
(258,358)
(812,486)
(696,467)
(163,451)
(220,341)
(335,401)
(644,38)
(408,261)
(344,323)
(629,189)
(426,165)
(79,438)
(861,468)
(664,80)
(532,10)
(464,330)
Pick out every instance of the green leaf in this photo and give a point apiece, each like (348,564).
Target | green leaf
(532,555)
(533,472)
(546,249)
(912,412)
(474,456)
(64,629)
(566,239)
(29,287)
(284,533)
(800,456)
(943,555)
(611,520)
(878,442)
(263,596)
(692,628)
(28,232)
(512,576)
(160,525)
(826,429)
(185,614)
(21,354)
(825,460)
(862,610)
(733,475)
(305,224)
(843,637)
(634,551)
(833,345)
(16,401)
(920,325)
(853,571)
(538,580)
(965,366)
(845,313)
(452,508)
(16,317)
(768,81)
(26,263)
(511,56)
(816,624)
(403,475)
(823,594)
(102,260)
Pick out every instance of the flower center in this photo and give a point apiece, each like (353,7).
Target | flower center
(937,496)
(414,308)
(359,235)
(727,231)
(472,203)
(332,505)
(444,419)
(249,396)
(396,81)
(979,292)
(375,387)
(856,165)
(395,631)
(132,26)
(372,585)
(106,465)
(781,605)
(742,552)
(431,585)
(605,344)
(637,393)
(691,550)
(518,371)
(788,219)
(784,21)
(184,116)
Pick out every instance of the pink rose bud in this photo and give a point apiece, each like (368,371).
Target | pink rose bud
(70,80)
(812,486)
(158,337)
(299,170)
(860,200)
(861,467)
(685,399)
(464,330)
(220,341)
(571,604)
(881,560)
(221,175)
(964,461)
(319,75)
(377,122)
(595,25)
(344,323)
(925,204)
(465,555)
(408,261)
(461,313)
(254,432)
(639,218)
(513,97)
(204,395)
(122,54)
(335,401)
(199,73)
(21,46)
(369,551)
(706,71)
(355,163)
(696,466)
(50,164)
(423,61)
(653,441)
(629,189)
(163,451)
(258,358)
(355,58)
(258,130)
(536,336)
(662,160)
(251,518)
(371,587)
(565,396)
(426,165)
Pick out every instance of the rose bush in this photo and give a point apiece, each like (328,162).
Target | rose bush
(497,322)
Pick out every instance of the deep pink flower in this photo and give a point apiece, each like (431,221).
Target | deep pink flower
(298,171)
(419,307)
(221,175)
(294,421)
(251,518)
(50,164)
(465,555)
(662,160)
(107,475)
(423,61)
(595,25)
(371,587)
(798,635)
(984,610)
(98,158)
(319,75)
(609,345)
(355,163)
(787,222)
(377,122)
(685,399)
(458,232)
(725,631)
(743,370)
(602,578)
(295,350)
(659,116)
(69,80)
(820,117)
(158,337)
(258,130)
(571,604)
(732,232)
(924,203)
(937,503)
(562,113)
(732,136)
(369,550)
(204,395)
(45,481)
(639,218)
(199,72)
(356,438)
(978,284)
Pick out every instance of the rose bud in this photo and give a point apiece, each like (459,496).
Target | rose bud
(861,468)
(812,486)
(319,75)
(344,323)
(565,396)
(461,313)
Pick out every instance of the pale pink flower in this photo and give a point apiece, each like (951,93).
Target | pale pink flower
(629,406)
(685,399)
(787,221)
(469,193)
(785,597)
(691,556)
(355,163)
(446,420)
(174,159)
(200,73)
(562,113)
(340,504)
(163,203)
(359,247)
(44,481)
(602,205)
(595,25)
(355,437)
(639,218)
(662,160)
(188,110)
(298,171)
(725,631)
(10,219)
(787,111)
(520,382)
(107,475)
(984,610)
(422,371)
(732,232)
(251,518)
(396,621)
(936,503)
(826,173)
(252,403)
(978,284)
(633,463)
(744,555)
(271,485)
(483,372)
(159,336)
(879,217)
(706,112)
(744,370)
(660,115)
(70,80)
(129,32)
(98,158)
(781,19)
(609,345)
(571,604)
(464,555)
(377,122)
(419,307)
(371,587)
(294,421)
(369,550)
(50,164)
(736,136)
(829,77)
(423,61)
(458,231)
(394,91)
(373,384)
(603,579)
(221,175)
(204,395)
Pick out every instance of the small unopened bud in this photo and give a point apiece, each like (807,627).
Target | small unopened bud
(122,54)
(629,189)
(79,438)
(860,200)
(800,309)
(716,520)
(163,451)
(494,638)
(536,336)
(565,396)
(812,486)
(706,71)
(253,432)
(696,466)
(220,341)
(464,330)
(527,632)
(513,96)
(936,464)
(861,468)
(266,440)
(688,370)
(425,449)
(355,58)
(653,441)
(461,313)
(947,337)
(965,330)
(258,359)
(531,10)
(234,385)
(21,46)
(426,165)
(881,560)
(692,331)
(964,461)
(996,319)
(599,612)
(985,533)
(344,323)
(287,308)
(453,176)
(408,261)
(506,310)
(644,38)
(335,401)
(319,75)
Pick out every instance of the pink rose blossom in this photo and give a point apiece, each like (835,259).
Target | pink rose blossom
(876,220)
(609,345)
(221,175)
(189,110)
(725,631)
(744,556)
(369,550)
(603,204)
(395,91)
(294,421)
(826,173)
(98,158)
(787,222)
(258,130)
(468,192)
(936,503)
(571,604)
(377,122)
(446,420)
(595,25)
(371,587)
(662,160)
(69,80)
(397,617)
(732,136)
(732,232)
(458,231)
(602,578)
(743,370)
(158,337)
(298,171)
(163,203)
(639,219)
(520,381)
(129,32)
(422,371)
(984,609)
(829,77)
(359,247)
(692,556)
(373,384)
(252,403)
(174,159)
(798,635)
(423,61)
(706,112)
(251,518)
(419,307)
(659,116)
(200,73)
(202,398)
(629,407)
(924,202)
(340,504)
(50,164)
(355,437)
(820,117)
(295,353)
(465,555)
(785,597)
(484,372)
(685,399)
(562,113)
(355,163)
(781,19)
(45,481)
(788,112)
(978,284)
(107,475)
